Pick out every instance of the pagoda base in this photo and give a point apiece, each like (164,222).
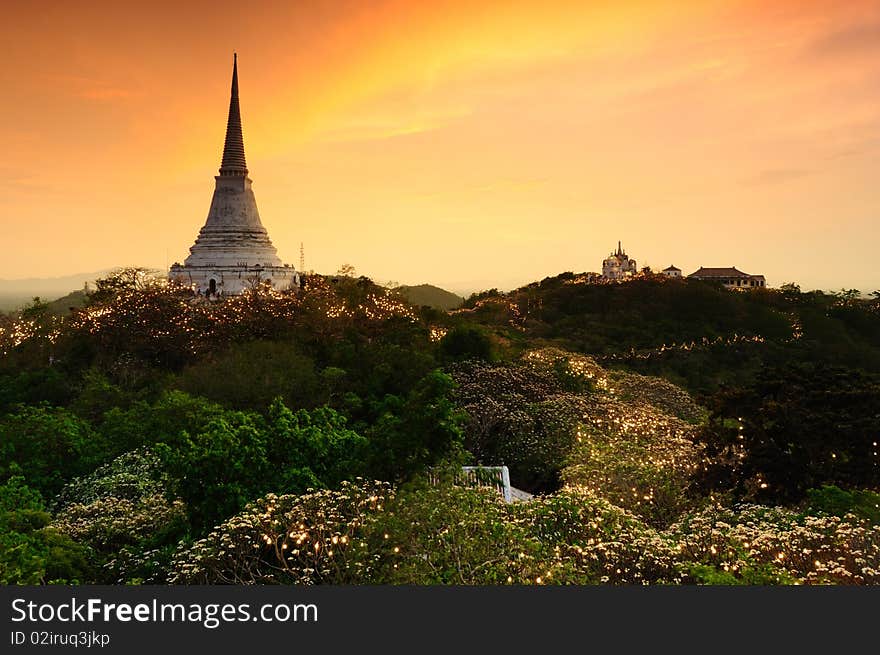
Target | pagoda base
(219,281)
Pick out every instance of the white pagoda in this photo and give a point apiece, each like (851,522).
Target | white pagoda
(233,251)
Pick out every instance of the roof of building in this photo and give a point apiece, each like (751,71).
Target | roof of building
(720,272)
(672,268)
(233,149)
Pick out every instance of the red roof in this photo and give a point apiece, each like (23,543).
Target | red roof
(720,272)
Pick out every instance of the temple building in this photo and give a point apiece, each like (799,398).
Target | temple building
(617,266)
(729,277)
(672,271)
(233,251)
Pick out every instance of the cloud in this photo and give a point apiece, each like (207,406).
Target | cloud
(773,176)
(376,132)
(506,185)
(866,141)
(28,185)
(860,38)
(90,88)
(377,125)
(104,93)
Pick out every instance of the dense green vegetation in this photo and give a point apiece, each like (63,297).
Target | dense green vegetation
(675,431)
(694,333)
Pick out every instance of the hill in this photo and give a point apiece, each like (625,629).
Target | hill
(696,334)
(427,294)
(64,304)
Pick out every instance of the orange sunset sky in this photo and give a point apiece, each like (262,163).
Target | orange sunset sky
(467,144)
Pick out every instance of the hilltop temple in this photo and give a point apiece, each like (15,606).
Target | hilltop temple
(617,266)
(233,251)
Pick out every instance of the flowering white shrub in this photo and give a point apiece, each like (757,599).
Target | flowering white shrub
(365,533)
(132,475)
(110,523)
(307,539)
(797,548)
(657,392)
(559,416)
(635,456)
(121,511)
(592,541)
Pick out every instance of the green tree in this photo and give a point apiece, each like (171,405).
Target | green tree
(35,385)
(830,499)
(315,446)
(415,431)
(165,420)
(32,552)
(250,375)
(796,428)
(216,467)
(219,468)
(467,342)
(48,445)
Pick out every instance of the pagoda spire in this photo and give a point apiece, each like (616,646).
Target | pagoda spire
(233,163)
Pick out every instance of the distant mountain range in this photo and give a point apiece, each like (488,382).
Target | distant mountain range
(67,291)
(14,294)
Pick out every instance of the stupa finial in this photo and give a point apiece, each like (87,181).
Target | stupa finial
(233,162)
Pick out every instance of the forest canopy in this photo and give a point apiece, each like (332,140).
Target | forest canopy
(668,431)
